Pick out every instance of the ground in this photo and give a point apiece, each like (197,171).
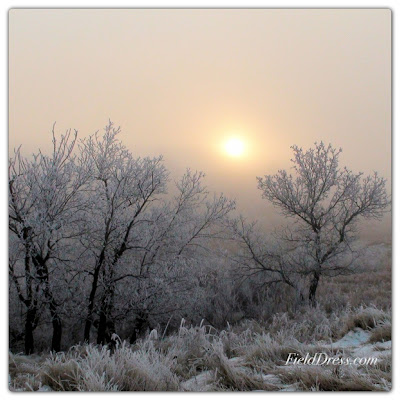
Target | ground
(248,357)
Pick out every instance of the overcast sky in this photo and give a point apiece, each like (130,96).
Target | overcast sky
(182,82)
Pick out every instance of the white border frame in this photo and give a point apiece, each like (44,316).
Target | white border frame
(6,5)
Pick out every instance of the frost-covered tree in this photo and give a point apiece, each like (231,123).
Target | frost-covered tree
(176,246)
(256,256)
(263,263)
(326,203)
(45,206)
(122,188)
(99,245)
(138,242)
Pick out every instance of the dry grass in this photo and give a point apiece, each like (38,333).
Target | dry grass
(251,356)
(372,285)
(230,374)
(365,318)
(382,332)
(91,368)
(321,378)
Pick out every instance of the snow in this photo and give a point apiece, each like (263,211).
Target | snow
(45,388)
(352,339)
(199,382)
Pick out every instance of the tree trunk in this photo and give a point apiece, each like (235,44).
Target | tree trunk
(106,328)
(141,324)
(313,288)
(29,328)
(101,333)
(43,274)
(29,302)
(89,317)
(57,327)
(106,324)
(299,298)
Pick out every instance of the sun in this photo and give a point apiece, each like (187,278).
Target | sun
(234,147)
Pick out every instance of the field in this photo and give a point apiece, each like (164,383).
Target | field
(352,321)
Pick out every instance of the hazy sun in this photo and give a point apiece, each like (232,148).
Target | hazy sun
(234,147)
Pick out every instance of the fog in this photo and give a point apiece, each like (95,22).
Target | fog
(182,82)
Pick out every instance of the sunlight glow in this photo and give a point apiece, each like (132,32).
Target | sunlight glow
(234,147)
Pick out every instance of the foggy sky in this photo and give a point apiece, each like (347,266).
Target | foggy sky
(181,82)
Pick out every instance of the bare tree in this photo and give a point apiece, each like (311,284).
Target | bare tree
(326,203)
(258,257)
